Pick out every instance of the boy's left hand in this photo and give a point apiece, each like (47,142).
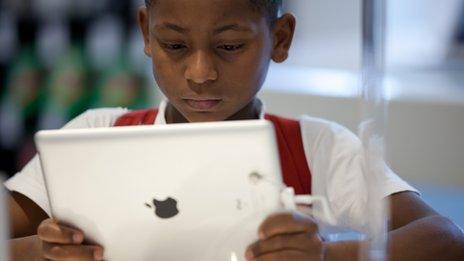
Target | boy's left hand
(287,236)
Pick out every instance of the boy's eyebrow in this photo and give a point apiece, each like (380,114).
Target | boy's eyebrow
(172,27)
(233,27)
(179,29)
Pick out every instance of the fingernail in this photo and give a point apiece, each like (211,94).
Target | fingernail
(98,254)
(261,235)
(77,238)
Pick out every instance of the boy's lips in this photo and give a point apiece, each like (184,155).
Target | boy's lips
(203,104)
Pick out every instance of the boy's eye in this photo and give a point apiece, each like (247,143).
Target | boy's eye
(231,47)
(174,46)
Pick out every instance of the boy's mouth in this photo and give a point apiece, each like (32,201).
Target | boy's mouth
(202,104)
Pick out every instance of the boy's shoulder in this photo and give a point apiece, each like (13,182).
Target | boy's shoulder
(318,134)
(312,124)
(323,133)
(321,124)
(96,118)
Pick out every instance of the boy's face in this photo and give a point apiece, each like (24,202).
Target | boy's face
(210,57)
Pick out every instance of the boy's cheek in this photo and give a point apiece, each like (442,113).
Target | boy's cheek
(164,72)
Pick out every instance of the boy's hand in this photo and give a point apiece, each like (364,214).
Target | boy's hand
(60,242)
(287,236)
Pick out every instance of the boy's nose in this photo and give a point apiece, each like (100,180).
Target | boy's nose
(200,68)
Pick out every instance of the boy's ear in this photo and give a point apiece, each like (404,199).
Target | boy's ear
(143,20)
(283,31)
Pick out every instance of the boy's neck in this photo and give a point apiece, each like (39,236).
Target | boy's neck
(250,112)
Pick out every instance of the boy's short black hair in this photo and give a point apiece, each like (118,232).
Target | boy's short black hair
(270,8)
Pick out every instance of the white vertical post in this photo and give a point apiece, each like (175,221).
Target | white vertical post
(371,128)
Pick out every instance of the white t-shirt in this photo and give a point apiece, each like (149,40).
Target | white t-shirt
(334,154)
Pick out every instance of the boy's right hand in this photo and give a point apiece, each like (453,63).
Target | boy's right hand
(61,242)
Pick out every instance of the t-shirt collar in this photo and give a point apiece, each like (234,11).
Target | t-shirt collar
(161,118)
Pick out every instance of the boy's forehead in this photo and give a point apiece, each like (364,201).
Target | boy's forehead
(194,12)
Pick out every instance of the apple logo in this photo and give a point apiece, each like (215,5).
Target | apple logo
(164,208)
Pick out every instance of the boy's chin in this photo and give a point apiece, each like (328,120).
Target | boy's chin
(205,117)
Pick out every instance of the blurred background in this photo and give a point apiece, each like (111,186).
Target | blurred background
(59,58)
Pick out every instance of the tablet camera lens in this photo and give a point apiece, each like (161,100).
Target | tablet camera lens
(255,178)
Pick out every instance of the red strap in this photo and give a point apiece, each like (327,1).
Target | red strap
(293,162)
(140,117)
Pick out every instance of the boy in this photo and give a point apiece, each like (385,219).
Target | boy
(210,58)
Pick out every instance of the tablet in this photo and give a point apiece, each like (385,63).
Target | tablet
(195,191)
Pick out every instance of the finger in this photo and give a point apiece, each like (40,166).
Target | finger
(52,232)
(72,252)
(286,255)
(304,242)
(286,223)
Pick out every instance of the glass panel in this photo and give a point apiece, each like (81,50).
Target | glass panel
(371,127)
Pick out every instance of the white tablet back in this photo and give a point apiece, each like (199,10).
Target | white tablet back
(122,185)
